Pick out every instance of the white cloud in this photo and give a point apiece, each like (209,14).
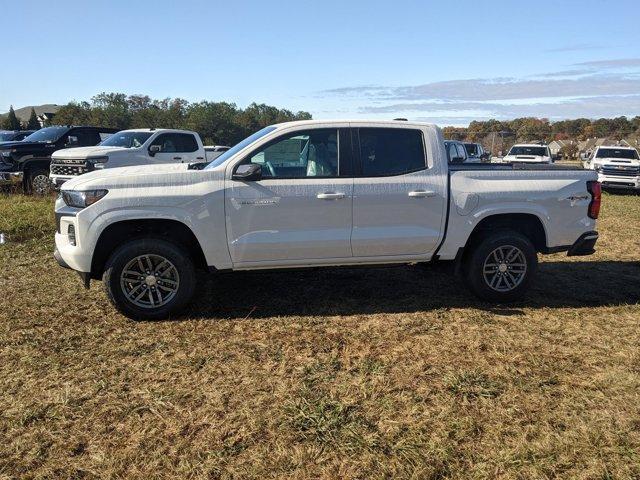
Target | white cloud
(599,88)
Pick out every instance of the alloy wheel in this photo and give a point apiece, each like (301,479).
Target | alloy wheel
(41,184)
(505,268)
(149,281)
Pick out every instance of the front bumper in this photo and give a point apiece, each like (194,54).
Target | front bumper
(86,277)
(619,181)
(585,245)
(11,178)
(58,180)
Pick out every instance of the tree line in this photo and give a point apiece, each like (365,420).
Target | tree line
(224,123)
(219,123)
(529,129)
(11,121)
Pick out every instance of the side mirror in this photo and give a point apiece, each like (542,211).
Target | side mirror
(457,160)
(72,141)
(248,172)
(153,149)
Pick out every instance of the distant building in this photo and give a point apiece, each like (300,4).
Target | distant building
(557,145)
(630,142)
(587,146)
(45,118)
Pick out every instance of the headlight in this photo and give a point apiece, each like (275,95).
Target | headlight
(77,199)
(98,162)
(597,167)
(6,153)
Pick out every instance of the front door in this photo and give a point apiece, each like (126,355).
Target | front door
(398,201)
(300,211)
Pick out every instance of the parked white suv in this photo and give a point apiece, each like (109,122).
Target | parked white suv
(316,193)
(528,153)
(146,146)
(617,167)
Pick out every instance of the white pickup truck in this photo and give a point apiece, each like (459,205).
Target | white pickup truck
(617,167)
(528,153)
(146,146)
(314,193)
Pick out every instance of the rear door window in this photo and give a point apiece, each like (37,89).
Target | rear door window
(391,151)
(86,138)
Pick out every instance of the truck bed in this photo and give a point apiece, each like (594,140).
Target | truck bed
(555,194)
(512,166)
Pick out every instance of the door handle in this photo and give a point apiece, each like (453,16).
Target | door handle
(421,193)
(177,158)
(330,196)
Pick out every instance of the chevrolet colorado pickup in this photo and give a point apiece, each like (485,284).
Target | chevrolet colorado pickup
(26,162)
(617,167)
(315,193)
(148,146)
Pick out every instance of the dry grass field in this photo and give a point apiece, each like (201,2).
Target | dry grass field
(340,373)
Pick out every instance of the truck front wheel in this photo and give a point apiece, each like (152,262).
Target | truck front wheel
(39,182)
(149,279)
(501,267)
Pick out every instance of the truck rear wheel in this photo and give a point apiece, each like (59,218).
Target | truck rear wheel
(149,279)
(501,267)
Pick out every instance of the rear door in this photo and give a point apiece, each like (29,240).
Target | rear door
(83,137)
(301,209)
(398,196)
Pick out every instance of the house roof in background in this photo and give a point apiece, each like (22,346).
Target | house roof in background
(24,113)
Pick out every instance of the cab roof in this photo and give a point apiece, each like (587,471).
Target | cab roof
(615,147)
(373,123)
(153,130)
(530,145)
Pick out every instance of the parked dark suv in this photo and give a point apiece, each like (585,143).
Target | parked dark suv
(27,162)
(14,135)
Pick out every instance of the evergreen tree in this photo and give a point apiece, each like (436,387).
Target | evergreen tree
(33,123)
(11,122)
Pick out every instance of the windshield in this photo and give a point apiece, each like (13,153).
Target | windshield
(531,151)
(48,134)
(472,148)
(126,139)
(617,153)
(239,146)
(6,136)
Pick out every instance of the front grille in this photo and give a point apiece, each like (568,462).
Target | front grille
(618,184)
(68,169)
(621,171)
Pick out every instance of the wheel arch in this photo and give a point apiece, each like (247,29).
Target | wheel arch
(35,162)
(118,233)
(527,224)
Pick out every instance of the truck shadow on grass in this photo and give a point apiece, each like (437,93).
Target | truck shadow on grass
(406,289)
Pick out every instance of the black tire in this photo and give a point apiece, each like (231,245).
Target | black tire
(510,285)
(155,248)
(38,182)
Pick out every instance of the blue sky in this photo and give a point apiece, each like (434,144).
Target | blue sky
(446,62)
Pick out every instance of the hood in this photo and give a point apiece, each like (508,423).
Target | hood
(23,145)
(616,161)
(85,152)
(135,177)
(526,158)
